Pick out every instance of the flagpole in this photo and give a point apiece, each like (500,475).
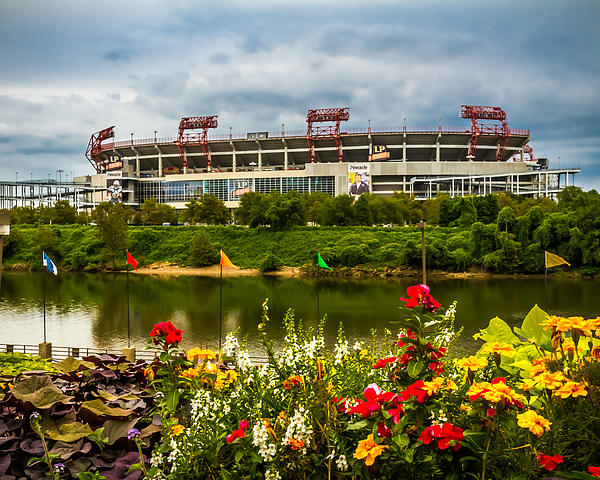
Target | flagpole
(220,299)
(44,295)
(546,288)
(128,328)
(318,306)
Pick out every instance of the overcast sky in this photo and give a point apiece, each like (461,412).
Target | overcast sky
(71,68)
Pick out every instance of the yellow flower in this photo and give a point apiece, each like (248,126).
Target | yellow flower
(149,373)
(369,450)
(177,430)
(499,348)
(534,422)
(550,380)
(571,389)
(363,353)
(528,384)
(433,386)
(451,385)
(471,363)
(466,408)
(225,378)
(190,373)
(195,354)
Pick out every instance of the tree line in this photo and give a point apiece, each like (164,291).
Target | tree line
(499,232)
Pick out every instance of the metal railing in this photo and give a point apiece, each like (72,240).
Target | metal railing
(60,352)
(299,133)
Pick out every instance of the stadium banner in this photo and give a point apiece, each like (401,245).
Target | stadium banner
(114,165)
(114,188)
(380,152)
(359,179)
(239,186)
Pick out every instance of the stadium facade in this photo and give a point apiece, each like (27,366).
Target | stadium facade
(485,157)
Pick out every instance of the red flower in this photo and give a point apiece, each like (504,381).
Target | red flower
(171,334)
(437,367)
(383,362)
(398,411)
(549,462)
(383,431)
(239,433)
(416,390)
(594,471)
(409,333)
(375,397)
(490,412)
(447,434)
(419,295)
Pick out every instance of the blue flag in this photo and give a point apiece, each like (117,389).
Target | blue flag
(49,264)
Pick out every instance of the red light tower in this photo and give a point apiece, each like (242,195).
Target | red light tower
(475,112)
(336,115)
(195,123)
(94,148)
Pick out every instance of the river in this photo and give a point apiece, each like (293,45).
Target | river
(90,310)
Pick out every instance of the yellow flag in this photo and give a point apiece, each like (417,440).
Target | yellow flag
(225,260)
(553,260)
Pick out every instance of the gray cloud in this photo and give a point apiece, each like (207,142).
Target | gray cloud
(142,66)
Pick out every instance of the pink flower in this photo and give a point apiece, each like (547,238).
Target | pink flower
(419,295)
(239,433)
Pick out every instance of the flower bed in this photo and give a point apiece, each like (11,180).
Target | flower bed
(525,405)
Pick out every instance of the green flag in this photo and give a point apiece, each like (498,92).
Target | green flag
(322,263)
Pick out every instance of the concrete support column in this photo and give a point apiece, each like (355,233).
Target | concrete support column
(259,159)
(234,161)
(437,147)
(285,157)
(404,146)
(45,350)
(522,154)
(129,354)
(137,165)
(160,164)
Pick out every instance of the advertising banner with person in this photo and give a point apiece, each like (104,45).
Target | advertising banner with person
(239,186)
(359,179)
(114,187)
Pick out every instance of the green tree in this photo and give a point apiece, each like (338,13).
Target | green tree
(65,213)
(111,220)
(284,211)
(337,211)
(212,211)
(202,252)
(45,240)
(506,219)
(362,213)
(311,204)
(487,208)
(154,213)
(252,209)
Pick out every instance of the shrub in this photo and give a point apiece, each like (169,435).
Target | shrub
(202,252)
(270,263)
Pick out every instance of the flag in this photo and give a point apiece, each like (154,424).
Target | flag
(49,264)
(225,260)
(322,263)
(553,260)
(131,260)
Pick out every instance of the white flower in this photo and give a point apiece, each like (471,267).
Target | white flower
(341,350)
(231,344)
(341,463)
(260,439)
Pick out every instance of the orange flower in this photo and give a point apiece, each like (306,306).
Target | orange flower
(550,380)
(177,430)
(293,381)
(369,450)
(527,384)
(499,348)
(535,423)
(571,389)
(471,363)
(296,444)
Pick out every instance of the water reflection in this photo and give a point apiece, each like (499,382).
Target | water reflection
(91,309)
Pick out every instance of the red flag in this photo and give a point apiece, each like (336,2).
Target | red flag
(131,260)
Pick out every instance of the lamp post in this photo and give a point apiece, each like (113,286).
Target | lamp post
(422,225)
(4,232)
(155,131)
(132,138)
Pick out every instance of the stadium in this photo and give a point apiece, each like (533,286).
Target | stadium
(484,156)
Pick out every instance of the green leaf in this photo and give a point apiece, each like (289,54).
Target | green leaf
(414,368)
(238,455)
(71,364)
(532,328)
(33,460)
(39,391)
(401,440)
(358,425)
(497,331)
(172,399)
(98,410)
(116,429)
(64,429)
